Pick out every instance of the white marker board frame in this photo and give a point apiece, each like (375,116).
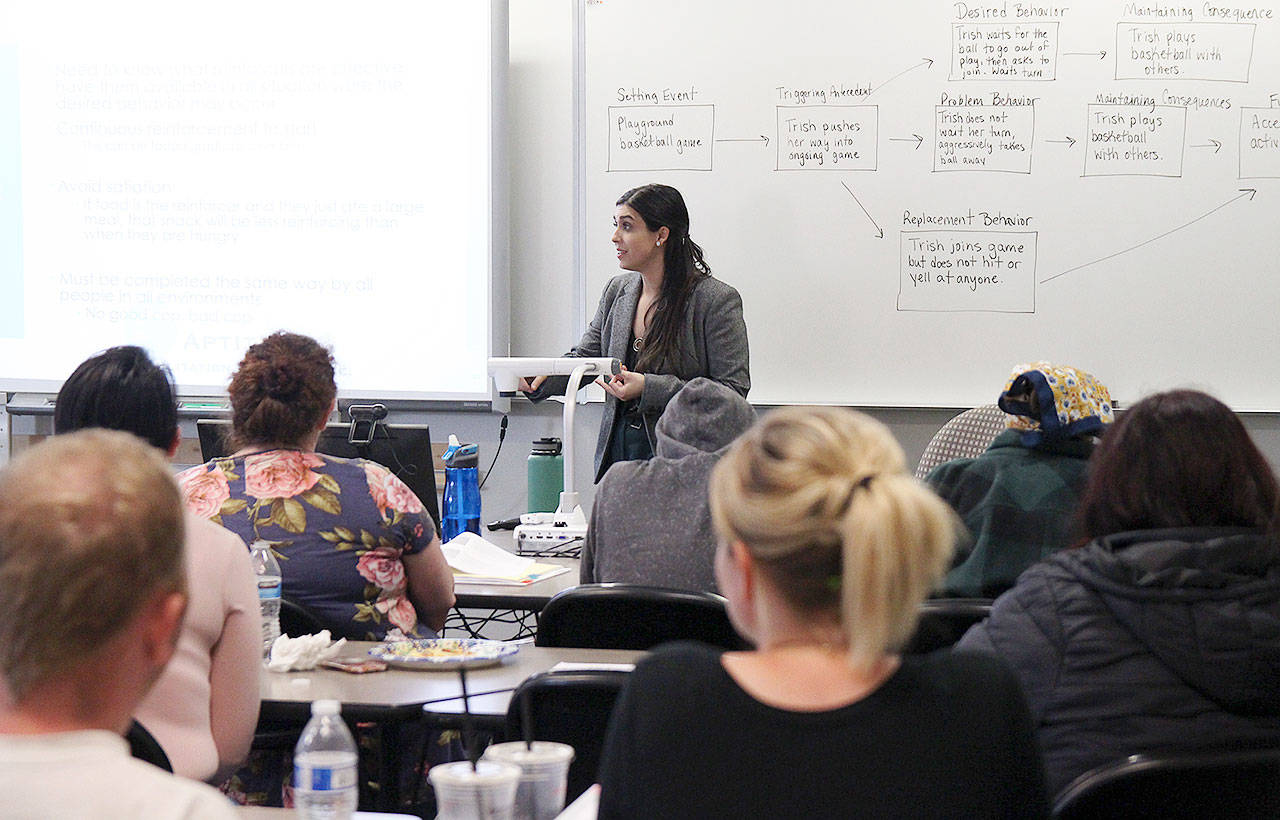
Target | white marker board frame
(1153,265)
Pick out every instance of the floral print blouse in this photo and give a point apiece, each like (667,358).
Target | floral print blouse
(337,526)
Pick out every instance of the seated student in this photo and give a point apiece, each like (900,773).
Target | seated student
(93,587)
(1018,498)
(651,523)
(356,546)
(204,708)
(1162,632)
(827,548)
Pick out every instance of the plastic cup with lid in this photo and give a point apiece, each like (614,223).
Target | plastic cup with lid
(486,793)
(544,775)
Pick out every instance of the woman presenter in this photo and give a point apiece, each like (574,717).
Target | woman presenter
(666,319)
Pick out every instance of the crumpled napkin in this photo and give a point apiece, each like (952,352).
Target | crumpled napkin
(303,652)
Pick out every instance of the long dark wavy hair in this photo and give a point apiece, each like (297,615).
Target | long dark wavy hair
(683,265)
(1177,459)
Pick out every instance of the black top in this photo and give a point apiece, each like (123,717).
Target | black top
(1156,641)
(945,736)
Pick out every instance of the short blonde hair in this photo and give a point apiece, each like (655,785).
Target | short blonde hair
(821,498)
(90,530)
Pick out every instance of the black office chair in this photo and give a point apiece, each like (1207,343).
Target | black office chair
(1191,785)
(569,707)
(629,616)
(297,620)
(144,746)
(943,621)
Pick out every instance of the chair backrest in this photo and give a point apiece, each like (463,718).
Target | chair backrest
(568,707)
(943,621)
(965,436)
(1199,784)
(144,746)
(296,619)
(629,616)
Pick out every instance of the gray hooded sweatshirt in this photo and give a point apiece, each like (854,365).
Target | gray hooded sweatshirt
(651,523)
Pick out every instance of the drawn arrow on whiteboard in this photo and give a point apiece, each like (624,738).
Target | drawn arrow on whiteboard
(879,230)
(1244,192)
(1101,55)
(914,137)
(1212,143)
(747,139)
(1069,142)
(925,63)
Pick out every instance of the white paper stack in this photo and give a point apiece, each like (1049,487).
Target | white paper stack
(477,561)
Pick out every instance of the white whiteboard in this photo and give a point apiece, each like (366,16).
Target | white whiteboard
(1112,165)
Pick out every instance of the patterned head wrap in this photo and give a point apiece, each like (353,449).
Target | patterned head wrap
(1050,402)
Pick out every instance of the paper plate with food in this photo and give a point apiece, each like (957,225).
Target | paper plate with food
(443,653)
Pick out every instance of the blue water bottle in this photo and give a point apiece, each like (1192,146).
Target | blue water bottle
(461,511)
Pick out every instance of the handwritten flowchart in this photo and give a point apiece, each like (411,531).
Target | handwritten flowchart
(1167,81)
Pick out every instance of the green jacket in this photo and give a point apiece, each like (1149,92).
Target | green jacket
(1018,504)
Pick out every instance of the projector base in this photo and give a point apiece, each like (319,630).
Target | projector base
(550,541)
(558,534)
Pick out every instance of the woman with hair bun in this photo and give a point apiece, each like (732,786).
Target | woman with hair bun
(666,319)
(826,549)
(354,543)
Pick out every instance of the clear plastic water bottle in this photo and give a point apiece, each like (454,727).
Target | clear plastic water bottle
(324,766)
(270,584)
(461,505)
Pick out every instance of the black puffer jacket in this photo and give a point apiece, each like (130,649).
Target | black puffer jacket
(1145,641)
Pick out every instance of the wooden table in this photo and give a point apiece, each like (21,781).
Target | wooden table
(400,696)
(515,607)
(532,597)
(399,693)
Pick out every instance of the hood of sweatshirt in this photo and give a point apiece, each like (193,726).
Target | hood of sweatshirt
(1205,602)
(703,417)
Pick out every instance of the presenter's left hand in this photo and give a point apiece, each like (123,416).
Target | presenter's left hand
(625,386)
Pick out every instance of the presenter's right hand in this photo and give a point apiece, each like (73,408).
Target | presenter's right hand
(527,386)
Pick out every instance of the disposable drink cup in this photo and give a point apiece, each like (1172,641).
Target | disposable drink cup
(487,793)
(544,771)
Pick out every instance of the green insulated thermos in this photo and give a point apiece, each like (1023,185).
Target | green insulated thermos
(546,475)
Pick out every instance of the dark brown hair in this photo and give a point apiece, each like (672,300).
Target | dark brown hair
(662,206)
(282,390)
(1177,459)
(120,389)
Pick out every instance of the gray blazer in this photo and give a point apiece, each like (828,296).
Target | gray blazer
(713,344)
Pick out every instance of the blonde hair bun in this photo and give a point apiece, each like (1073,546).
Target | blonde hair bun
(821,498)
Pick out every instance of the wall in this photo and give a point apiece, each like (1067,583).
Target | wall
(543,320)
